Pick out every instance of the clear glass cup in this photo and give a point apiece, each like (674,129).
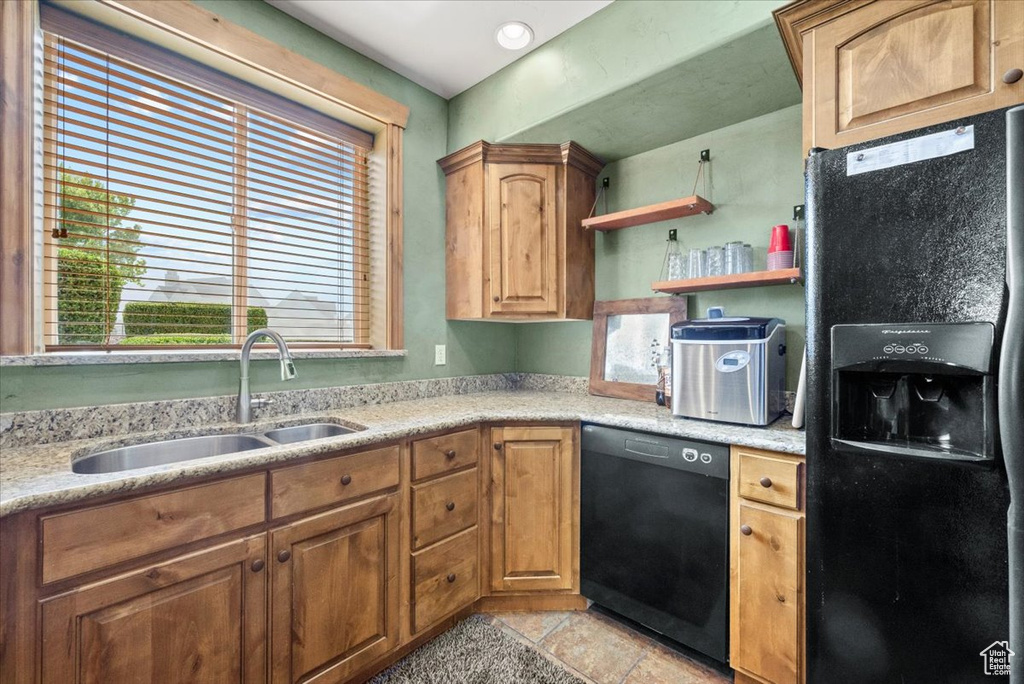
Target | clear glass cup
(698,263)
(733,257)
(747,259)
(716,261)
(674,267)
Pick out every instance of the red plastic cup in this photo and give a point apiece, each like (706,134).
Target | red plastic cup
(780,239)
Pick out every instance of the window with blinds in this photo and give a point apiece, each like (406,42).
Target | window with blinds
(183,208)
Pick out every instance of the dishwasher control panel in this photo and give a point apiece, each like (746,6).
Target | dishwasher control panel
(706,458)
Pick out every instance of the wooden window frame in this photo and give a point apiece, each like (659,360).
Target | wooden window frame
(205,37)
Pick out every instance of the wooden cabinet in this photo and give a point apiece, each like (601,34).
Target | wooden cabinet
(332,481)
(334,592)
(92,538)
(445,453)
(872,69)
(767,596)
(365,555)
(196,618)
(442,507)
(445,578)
(516,249)
(535,509)
(444,524)
(522,232)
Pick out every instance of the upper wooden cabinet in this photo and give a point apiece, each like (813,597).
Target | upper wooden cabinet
(872,68)
(515,246)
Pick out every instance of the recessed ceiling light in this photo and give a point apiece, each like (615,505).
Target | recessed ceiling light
(514,35)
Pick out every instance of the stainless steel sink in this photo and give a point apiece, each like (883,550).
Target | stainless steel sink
(191,448)
(167,451)
(302,433)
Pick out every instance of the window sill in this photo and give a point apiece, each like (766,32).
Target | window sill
(90,358)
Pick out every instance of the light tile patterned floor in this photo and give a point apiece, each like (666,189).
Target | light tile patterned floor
(600,650)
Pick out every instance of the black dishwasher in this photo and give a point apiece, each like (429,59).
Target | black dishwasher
(654,537)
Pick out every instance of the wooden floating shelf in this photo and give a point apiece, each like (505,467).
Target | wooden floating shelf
(677,208)
(784,276)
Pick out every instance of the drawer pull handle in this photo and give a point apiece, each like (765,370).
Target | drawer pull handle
(1012,76)
(497,446)
(257,565)
(346,480)
(766,482)
(284,556)
(450,505)
(746,530)
(451,578)
(450,454)
(497,298)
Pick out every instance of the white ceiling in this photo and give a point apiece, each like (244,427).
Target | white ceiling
(444,45)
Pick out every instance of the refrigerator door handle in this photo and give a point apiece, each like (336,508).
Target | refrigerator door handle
(1011,379)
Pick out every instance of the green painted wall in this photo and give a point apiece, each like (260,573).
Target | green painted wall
(602,60)
(627,53)
(756,177)
(472,348)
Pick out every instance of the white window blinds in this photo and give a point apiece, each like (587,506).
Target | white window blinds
(184,208)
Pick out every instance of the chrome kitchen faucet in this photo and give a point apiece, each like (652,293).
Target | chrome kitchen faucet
(246,403)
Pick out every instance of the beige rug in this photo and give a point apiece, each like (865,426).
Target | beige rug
(475,652)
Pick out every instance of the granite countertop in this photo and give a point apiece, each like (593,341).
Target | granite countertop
(39,476)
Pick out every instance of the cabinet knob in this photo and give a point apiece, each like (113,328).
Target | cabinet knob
(766,482)
(497,446)
(450,505)
(496,298)
(451,578)
(450,454)
(346,479)
(1012,76)
(283,556)
(257,565)
(746,530)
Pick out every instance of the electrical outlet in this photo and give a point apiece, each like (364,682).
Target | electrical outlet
(440,355)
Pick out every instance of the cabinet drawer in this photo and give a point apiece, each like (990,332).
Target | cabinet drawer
(444,453)
(445,579)
(775,481)
(321,483)
(84,540)
(443,507)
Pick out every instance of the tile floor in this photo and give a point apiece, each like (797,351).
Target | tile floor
(600,650)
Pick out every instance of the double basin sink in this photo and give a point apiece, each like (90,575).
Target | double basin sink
(191,448)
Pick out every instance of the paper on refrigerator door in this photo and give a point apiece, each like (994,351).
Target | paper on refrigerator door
(909,151)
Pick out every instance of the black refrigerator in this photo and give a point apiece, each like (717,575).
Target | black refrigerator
(915,407)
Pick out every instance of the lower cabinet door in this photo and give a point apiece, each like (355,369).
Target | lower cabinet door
(198,618)
(535,515)
(769,594)
(334,592)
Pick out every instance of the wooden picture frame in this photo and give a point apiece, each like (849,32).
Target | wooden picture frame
(674,307)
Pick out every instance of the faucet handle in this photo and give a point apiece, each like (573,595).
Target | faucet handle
(259,402)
